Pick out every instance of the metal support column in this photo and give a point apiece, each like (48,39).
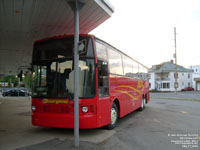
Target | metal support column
(76,77)
(76,6)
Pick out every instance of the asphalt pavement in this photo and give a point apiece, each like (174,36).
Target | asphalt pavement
(169,122)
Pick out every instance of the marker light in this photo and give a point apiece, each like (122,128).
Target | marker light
(85,109)
(33,108)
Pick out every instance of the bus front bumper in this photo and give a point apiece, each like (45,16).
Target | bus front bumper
(64,120)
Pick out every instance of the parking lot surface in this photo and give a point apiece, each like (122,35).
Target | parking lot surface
(169,122)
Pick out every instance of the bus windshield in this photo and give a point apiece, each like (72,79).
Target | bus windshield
(53,72)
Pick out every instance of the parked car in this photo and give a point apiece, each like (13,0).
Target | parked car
(188,89)
(15,92)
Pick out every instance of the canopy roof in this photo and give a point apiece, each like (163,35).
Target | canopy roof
(23,22)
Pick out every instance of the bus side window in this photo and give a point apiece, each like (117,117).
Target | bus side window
(103,78)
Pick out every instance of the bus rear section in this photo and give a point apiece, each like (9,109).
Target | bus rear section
(122,82)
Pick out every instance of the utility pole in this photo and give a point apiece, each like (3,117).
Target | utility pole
(175,56)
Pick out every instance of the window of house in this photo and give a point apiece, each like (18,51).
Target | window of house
(175,75)
(165,85)
(188,76)
(168,85)
(158,85)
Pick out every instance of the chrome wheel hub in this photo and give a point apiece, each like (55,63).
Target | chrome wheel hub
(113,116)
(143,103)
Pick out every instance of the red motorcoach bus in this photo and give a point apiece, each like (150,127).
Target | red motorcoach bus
(111,84)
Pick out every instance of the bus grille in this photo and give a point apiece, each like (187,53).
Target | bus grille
(56,108)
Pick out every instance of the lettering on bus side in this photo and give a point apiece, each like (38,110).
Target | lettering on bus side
(140,84)
(47,101)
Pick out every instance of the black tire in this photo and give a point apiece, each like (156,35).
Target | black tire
(114,117)
(142,104)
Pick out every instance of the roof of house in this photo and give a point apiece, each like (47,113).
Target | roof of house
(168,67)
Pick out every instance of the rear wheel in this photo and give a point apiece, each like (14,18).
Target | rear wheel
(114,117)
(142,104)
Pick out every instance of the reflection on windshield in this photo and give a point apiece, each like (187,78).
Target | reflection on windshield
(55,79)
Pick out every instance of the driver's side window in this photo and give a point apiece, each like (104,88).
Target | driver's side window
(103,78)
(102,56)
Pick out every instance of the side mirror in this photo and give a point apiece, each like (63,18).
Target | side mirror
(20,75)
(82,46)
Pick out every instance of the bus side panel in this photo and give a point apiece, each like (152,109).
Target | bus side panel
(103,104)
(133,93)
(147,91)
(104,111)
(129,92)
(116,93)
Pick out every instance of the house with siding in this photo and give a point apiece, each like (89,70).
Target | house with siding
(196,77)
(162,77)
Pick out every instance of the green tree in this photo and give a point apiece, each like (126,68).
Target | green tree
(10,79)
(27,80)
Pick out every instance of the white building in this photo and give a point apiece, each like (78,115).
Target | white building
(196,77)
(162,77)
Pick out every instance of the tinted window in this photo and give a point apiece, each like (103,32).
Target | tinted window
(61,48)
(103,85)
(135,67)
(142,74)
(56,79)
(101,51)
(128,66)
(115,62)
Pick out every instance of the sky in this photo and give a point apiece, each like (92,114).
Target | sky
(144,29)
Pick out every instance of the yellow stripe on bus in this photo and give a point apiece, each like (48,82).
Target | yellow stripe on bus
(125,92)
(134,89)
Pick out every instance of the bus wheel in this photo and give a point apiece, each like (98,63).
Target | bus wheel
(114,117)
(143,104)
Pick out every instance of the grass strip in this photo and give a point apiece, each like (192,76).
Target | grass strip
(184,99)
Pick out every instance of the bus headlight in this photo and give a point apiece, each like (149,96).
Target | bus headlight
(85,109)
(33,108)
